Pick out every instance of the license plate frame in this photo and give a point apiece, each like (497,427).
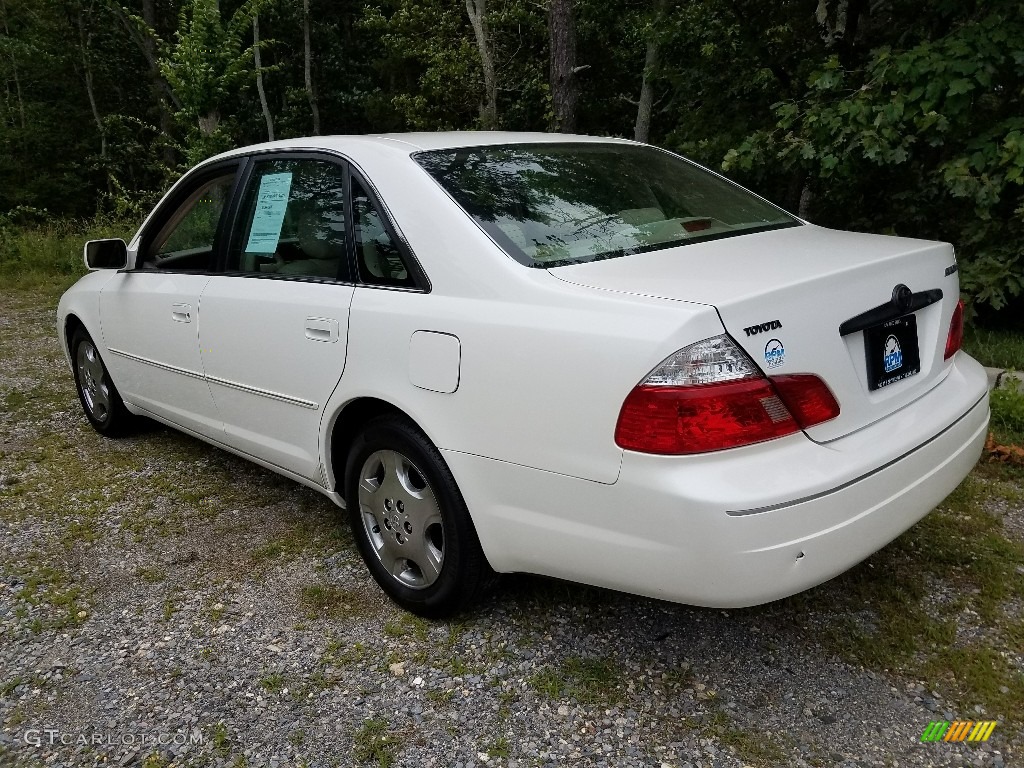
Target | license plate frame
(888,361)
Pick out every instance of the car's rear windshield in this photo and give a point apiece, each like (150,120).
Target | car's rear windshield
(555,204)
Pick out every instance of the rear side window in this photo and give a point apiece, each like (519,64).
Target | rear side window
(292,221)
(378,256)
(549,205)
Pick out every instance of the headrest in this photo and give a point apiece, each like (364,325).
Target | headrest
(640,216)
(322,234)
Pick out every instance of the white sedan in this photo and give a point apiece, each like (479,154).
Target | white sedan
(579,357)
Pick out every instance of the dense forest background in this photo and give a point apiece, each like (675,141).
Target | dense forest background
(882,115)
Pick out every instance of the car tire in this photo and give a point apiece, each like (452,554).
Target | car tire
(410,522)
(100,399)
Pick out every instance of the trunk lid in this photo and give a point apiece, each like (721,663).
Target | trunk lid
(783,295)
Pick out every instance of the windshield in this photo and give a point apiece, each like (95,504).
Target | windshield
(550,205)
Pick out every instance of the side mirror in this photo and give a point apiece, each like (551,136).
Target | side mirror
(106,254)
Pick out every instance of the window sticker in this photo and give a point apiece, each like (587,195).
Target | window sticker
(268,219)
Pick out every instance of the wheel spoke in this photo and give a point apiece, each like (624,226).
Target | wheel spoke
(368,485)
(95,365)
(394,565)
(101,396)
(427,558)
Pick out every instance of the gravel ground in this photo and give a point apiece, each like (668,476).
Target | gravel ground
(163,603)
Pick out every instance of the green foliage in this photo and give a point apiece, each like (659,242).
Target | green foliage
(205,63)
(1007,404)
(907,120)
(374,743)
(995,348)
(589,681)
(39,253)
(925,140)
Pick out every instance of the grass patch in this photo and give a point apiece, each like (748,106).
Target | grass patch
(995,348)
(751,747)
(915,592)
(374,743)
(407,625)
(48,257)
(1007,404)
(590,681)
(6,689)
(326,601)
(50,591)
(342,655)
(155,760)
(302,535)
(498,747)
(441,697)
(219,740)
(151,575)
(272,683)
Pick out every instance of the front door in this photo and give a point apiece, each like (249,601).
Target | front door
(150,314)
(274,327)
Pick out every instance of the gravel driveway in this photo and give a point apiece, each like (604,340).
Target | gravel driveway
(164,603)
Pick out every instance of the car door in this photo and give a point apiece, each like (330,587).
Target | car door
(150,313)
(274,327)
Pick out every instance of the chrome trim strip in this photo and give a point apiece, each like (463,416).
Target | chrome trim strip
(155,364)
(264,393)
(223,382)
(830,491)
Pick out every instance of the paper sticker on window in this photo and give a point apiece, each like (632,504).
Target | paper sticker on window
(269,216)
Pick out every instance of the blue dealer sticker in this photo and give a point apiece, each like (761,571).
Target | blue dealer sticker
(892,354)
(774,353)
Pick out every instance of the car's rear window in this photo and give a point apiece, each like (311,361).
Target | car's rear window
(555,204)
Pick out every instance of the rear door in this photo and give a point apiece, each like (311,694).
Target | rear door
(149,314)
(274,326)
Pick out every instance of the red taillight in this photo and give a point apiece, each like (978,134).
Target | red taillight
(808,398)
(956,331)
(697,419)
(712,417)
(709,396)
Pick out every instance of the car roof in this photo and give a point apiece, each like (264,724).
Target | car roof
(407,143)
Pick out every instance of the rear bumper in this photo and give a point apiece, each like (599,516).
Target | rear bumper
(740,527)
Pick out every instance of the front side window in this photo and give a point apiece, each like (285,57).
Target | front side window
(186,239)
(554,204)
(292,221)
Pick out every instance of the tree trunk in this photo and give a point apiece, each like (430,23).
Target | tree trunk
(87,71)
(164,99)
(14,67)
(477,10)
(209,123)
(838,26)
(565,88)
(259,76)
(308,62)
(642,129)
(806,201)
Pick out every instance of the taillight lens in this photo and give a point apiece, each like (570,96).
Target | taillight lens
(808,398)
(955,337)
(710,396)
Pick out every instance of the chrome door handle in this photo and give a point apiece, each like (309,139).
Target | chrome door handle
(322,329)
(181,313)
